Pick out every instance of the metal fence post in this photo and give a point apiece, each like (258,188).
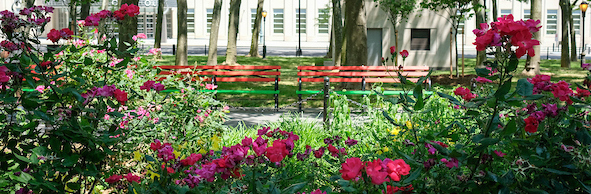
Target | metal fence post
(326,96)
(173,49)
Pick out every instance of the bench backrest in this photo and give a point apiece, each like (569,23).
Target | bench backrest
(226,73)
(369,74)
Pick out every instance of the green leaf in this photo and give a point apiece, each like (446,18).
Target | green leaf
(489,141)
(71,160)
(492,176)
(414,175)
(418,94)
(510,128)
(294,187)
(503,90)
(584,137)
(513,63)
(557,171)
(451,98)
(482,72)
(22,158)
(42,115)
(73,186)
(524,88)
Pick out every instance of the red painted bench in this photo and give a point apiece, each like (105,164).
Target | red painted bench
(226,73)
(358,74)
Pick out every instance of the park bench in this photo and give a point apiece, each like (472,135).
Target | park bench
(227,73)
(358,74)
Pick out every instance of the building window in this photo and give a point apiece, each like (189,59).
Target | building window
(253,17)
(63,18)
(150,23)
(526,14)
(303,20)
(190,20)
(505,12)
(209,19)
(420,39)
(323,18)
(577,20)
(277,20)
(551,21)
(169,25)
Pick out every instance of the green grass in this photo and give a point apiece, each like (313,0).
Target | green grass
(288,84)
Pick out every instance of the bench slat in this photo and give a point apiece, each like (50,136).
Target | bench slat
(242,79)
(228,67)
(357,80)
(233,73)
(376,74)
(361,68)
(360,92)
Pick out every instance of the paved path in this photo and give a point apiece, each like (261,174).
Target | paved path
(250,117)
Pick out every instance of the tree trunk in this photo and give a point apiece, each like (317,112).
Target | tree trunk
(573,37)
(533,67)
(30,3)
(159,27)
(337,31)
(329,53)
(128,28)
(73,14)
(212,58)
(355,27)
(181,41)
(481,55)
(233,31)
(564,57)
(256,30)
(495,10)
(84,10)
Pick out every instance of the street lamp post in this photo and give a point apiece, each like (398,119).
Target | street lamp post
(583,7)
(264,36)
(299,51)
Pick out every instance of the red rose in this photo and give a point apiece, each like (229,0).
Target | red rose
(54,35)
(113,179)
(531,124)
(392,50)
(351,168)
(121,96)
(404,54)
(191,160)
(397,168)
(66,33)
(45,63)
(132,178)
(277,152)
(375,171)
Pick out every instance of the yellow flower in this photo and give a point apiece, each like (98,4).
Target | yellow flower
(379,152)
(176,153)
(395,131)
(202,151)
(152,174)
(137,156)
(215,141)
(409,124)
(386,149)
(200,142)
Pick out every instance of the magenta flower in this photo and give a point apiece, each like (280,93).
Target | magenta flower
(586,66)
(453,162)
(499,153)
(210,87)
(483,80)
(392,50)
(404,54)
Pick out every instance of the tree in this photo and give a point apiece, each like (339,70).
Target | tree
(30,3)
(181,41)
(398,11)
(233,31)
(212,57)
(256,30)
(355,33)
(564,57)
(336,33)
(452,7)
(478,7)
(85,9)
(532,68)
(127,27)
(573,37)
(158,34)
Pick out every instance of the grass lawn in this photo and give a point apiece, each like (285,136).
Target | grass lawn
(288,84)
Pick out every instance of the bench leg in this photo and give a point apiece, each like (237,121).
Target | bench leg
(300,95)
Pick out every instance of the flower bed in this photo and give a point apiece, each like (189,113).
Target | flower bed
(108,128)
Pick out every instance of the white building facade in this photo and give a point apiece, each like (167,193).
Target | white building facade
(426,34)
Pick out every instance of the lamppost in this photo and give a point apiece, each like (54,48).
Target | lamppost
(264,43)
(299,51)
(583,7)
